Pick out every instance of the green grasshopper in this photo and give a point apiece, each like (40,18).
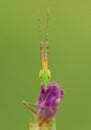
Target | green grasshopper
(44,74)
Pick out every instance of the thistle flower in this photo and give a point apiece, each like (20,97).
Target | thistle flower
(50,97)
(46,106)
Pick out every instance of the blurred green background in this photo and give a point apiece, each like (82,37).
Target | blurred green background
(69,60)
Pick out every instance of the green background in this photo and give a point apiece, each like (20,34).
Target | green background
(69,60)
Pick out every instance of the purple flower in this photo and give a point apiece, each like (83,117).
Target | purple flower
(49,100)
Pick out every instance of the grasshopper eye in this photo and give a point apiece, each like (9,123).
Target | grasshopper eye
(40,74)
(49,74)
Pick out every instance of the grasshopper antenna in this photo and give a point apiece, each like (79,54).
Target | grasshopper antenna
(41,43)
(46,42)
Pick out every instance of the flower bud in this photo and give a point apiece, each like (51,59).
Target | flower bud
(49,99)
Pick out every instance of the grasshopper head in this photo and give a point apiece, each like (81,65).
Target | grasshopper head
(45,76)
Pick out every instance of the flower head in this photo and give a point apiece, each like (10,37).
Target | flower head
(50,97)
